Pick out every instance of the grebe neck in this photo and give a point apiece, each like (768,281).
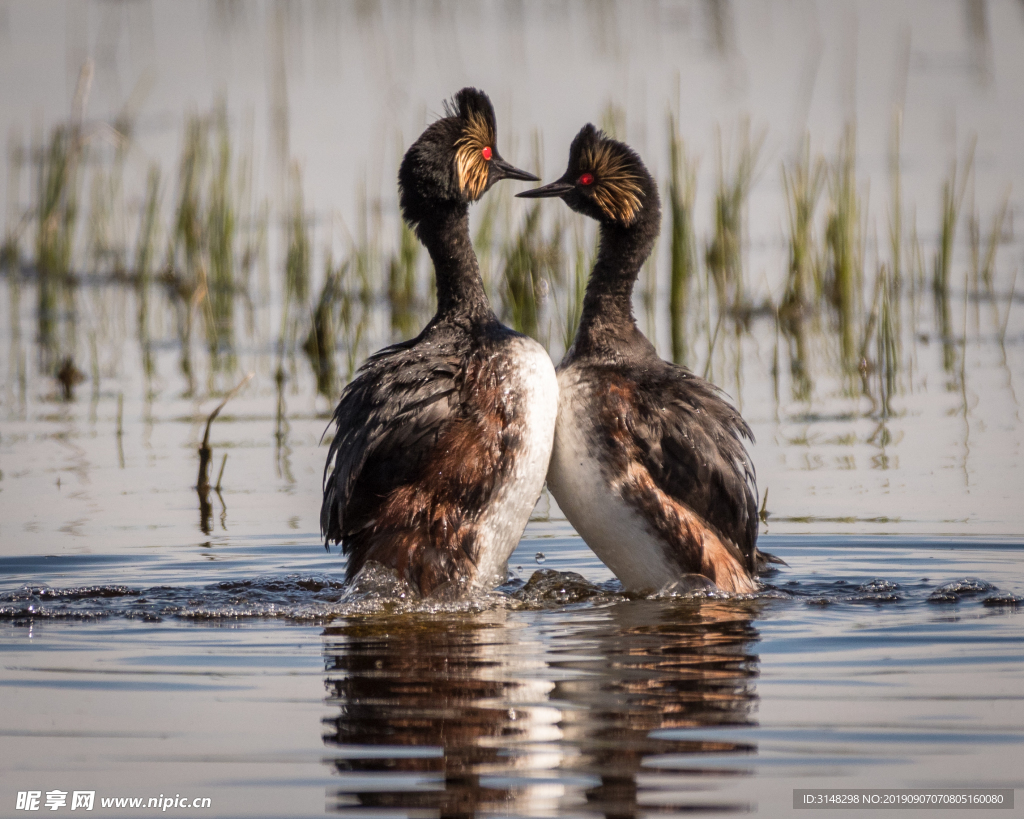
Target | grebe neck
(460,290)
(607,323)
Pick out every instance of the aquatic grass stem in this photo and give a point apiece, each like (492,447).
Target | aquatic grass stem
(321,341)
(16,221)
(185,272)
(985,266)
(297,265)
(844,237)
(953,191)
(724,253)
(802,182)
(531,262)
(896,204)
(220,244)
(144,244)
(683,264)
(203,481)
(582,264)
(402,278)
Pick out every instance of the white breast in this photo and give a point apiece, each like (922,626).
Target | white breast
(535,399)
(610,526)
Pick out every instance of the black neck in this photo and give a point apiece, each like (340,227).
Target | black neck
(607,326)
(460,290)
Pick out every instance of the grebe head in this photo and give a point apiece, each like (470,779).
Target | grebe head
(456,160)
(605,180)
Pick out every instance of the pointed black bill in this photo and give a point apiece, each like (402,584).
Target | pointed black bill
(506,171)
(558,188)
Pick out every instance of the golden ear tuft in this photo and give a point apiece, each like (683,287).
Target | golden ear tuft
(470,165)
(617,191)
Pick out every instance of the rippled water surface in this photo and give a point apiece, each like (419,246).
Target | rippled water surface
(250,679)
(157,641)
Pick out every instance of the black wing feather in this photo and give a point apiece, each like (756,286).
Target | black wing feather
(692,440)
(388,418)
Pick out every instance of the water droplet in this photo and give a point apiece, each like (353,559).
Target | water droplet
(540,558)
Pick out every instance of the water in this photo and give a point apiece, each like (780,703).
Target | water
(156,641)
(252,681)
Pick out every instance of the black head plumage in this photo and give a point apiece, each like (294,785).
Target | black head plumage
(455,160)
(605,180)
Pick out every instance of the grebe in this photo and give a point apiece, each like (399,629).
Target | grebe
(443,442)
(649,463)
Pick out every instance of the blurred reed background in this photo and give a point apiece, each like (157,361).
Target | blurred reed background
(831,216)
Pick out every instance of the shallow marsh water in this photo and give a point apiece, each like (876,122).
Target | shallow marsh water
(251,681)
(158,643)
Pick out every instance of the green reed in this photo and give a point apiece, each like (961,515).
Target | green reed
(220,243)
(10,252)
(298,260)
(888,339)
(916,275)
(724,252)
(879,353)
(953,191)
(402,279)
(519,290)
(184,268)
(682,193)
(208,255)
(353,315)
(879,359)
(322,338)
(493,209)
(59,160)
(365,253)
(530,262)
(59,165)
(145,242)
(983,261)
(10,247)
(215,235)
(10,264)
(185,271)
(57,210)
(896,199)
(890,323)
(583,256)
(107,228)
(797,336)
(844,241)
(803,182)
(104,253)
(146,238)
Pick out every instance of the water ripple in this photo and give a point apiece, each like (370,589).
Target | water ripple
(318,598)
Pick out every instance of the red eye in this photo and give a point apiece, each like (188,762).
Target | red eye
(486,152)
(587,179)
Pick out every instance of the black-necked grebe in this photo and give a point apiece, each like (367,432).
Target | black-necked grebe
(443,442)
(649,462)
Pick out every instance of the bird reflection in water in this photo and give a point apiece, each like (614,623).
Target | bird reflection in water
(526,712)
